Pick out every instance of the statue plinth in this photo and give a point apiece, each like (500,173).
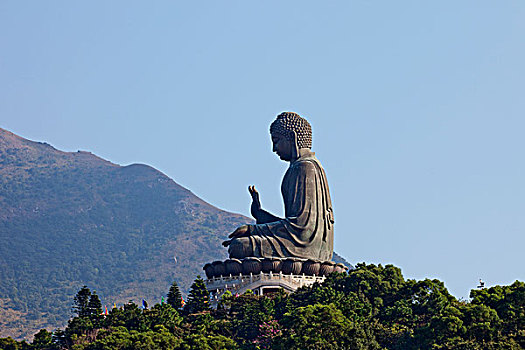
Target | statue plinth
(287,266)
(265,275)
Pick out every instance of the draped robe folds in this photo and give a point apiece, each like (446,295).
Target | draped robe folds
(307,231)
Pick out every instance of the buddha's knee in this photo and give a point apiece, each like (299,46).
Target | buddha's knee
(239,248)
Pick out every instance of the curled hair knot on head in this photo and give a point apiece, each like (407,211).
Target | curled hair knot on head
(287,122)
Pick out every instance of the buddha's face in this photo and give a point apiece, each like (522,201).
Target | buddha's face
(282,146)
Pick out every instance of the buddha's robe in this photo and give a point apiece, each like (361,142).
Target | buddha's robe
(307,231)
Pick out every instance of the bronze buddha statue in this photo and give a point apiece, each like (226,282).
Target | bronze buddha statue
(307,230)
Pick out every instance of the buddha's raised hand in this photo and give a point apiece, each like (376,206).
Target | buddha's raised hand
(256,203)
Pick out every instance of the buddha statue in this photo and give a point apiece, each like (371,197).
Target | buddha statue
(307,229)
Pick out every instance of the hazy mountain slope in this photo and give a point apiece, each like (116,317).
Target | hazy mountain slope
(68,219)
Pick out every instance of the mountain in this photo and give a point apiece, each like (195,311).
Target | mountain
(69,219)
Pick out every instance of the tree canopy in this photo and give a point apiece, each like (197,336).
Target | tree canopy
(372,307)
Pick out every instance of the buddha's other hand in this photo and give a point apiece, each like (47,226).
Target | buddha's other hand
(241,231)
(256,203)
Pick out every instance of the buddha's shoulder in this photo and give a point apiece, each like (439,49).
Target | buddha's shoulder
(306,164)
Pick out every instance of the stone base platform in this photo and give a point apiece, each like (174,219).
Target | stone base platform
(260,284)
(265,275)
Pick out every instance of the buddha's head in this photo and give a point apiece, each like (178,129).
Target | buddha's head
(290,132)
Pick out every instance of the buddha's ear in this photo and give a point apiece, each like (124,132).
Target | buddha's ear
(295,145)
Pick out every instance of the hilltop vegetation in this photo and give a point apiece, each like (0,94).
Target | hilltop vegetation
(373,307)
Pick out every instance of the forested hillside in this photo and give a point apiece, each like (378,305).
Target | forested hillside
(69,219)
(371,308)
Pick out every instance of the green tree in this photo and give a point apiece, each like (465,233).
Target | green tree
(321,327)
(165,315)
(175,297)
(94,307)
(509,303)
(483,323)
(115,338)
(81,302)
(202,342)
(119,338)
(130,316)
(250,312)
(11,344)
(43,340)
(59,338)
(198,297)
(76,328)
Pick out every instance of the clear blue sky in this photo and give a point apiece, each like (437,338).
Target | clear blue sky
(417,108)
